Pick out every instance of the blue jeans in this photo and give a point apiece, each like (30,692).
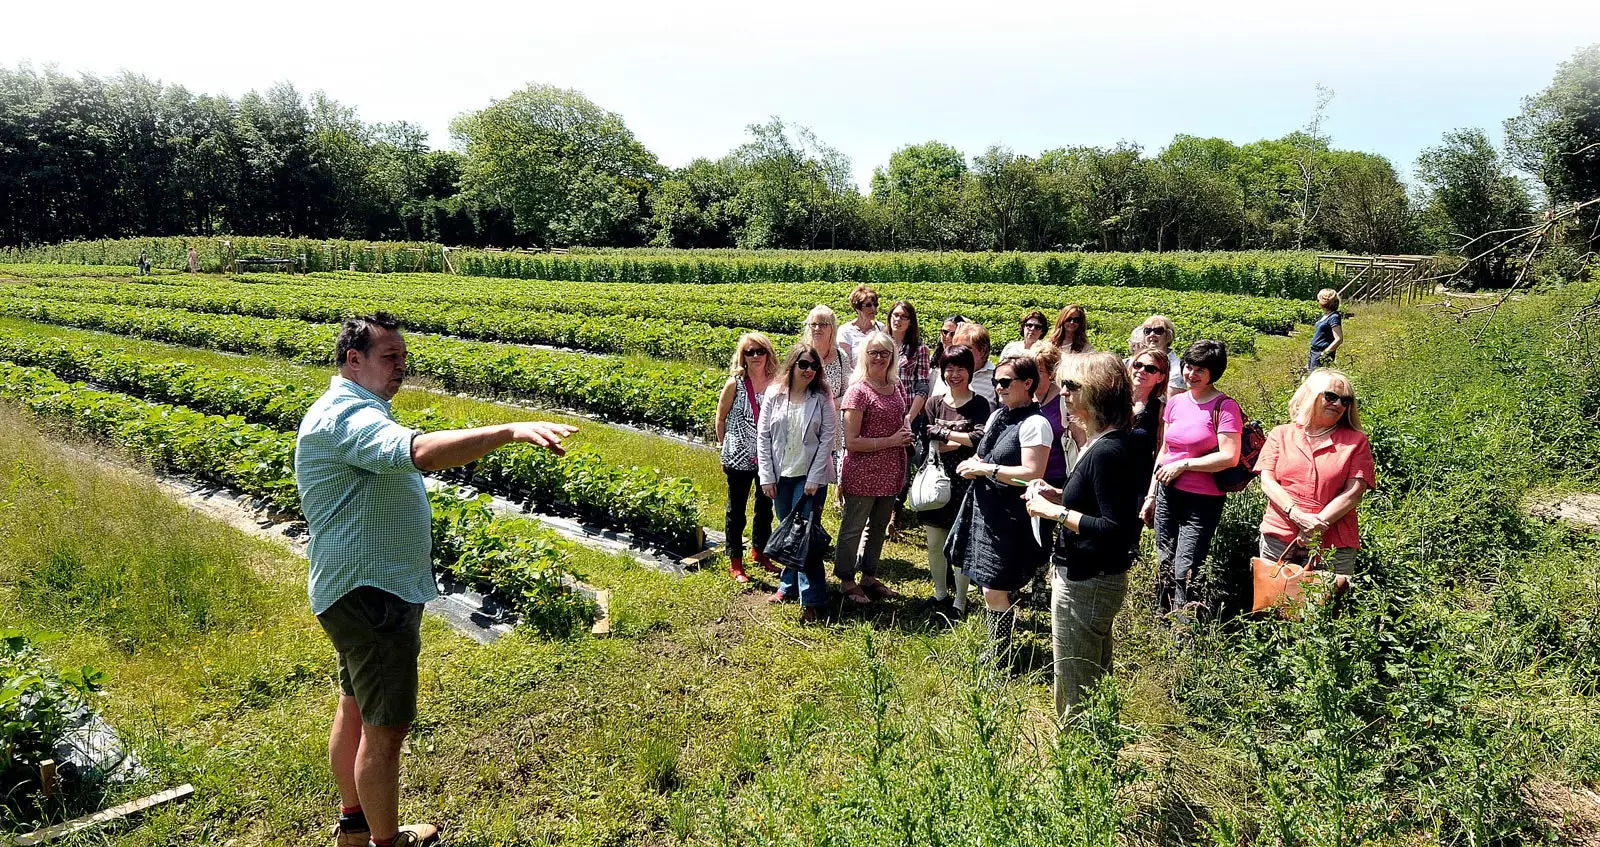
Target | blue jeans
(812,581)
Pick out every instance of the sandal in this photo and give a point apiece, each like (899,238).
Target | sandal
(882,591)
(856,594)
(778,597)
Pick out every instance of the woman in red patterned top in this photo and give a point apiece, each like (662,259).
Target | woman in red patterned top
(875,437)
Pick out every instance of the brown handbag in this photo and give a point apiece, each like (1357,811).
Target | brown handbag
(1278,585)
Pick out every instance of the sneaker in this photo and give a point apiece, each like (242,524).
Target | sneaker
(778,597)
(357,838)
(415,835)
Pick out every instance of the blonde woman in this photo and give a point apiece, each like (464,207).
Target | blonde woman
(865,303)
(822,332)
(1157,333)
(738,414)
(1314,472)
(876,436)
(1328,334)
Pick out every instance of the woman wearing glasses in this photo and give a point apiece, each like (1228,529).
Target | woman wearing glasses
(821,332)
(738,413)
(1148,369)
(1314,472)
(876,436)
(1033,327)
(794,447)
(865,303)
(1158,333)
(1071,332)
(947,339)
(914,372)
(993,540)
(1097,510)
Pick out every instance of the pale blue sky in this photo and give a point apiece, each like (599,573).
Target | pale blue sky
(867,76)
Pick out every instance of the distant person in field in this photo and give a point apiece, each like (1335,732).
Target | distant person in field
(1328,333)
(1157,333)
(914,377)
(992,538)
(1033,327)
(975,337)
(1071,332)
(359,474)
(794,447)
(738,413)
(1097,513)
(947,339)
(1201,435)
(1314,471)
(144,263)
(194,261)
(876,436)
(864,301)
(956,417)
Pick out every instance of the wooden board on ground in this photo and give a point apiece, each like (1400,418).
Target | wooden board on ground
(602,623)
(105,816)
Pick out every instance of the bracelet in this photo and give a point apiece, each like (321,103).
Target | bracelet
(995,474)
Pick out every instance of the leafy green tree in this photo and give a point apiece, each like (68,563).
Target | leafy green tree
(1557,135)
(695,206)
(790,189)
(922,191)
(1003,187)
(569,171)
(1470,194)
(1192,202)
(1366,208)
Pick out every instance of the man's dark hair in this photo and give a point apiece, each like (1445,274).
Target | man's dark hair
(1211,355)
(356,333)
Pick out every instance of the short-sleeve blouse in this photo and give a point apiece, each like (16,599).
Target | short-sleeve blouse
(1191,435)
(1313,472)
(881,473)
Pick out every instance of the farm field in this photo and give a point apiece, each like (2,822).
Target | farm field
(1458,686)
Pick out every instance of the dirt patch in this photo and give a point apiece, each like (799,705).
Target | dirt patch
(1581,509)
(1572,812)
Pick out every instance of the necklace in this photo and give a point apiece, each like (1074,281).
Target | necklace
(1322,434)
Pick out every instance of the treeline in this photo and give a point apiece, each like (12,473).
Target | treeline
(82,157)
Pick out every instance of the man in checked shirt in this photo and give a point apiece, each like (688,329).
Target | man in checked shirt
(360,479)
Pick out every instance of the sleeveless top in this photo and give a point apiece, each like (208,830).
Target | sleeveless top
(739,442)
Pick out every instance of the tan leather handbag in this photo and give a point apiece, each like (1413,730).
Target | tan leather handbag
(1278,585)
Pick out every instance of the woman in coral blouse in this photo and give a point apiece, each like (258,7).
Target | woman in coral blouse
(1314,472)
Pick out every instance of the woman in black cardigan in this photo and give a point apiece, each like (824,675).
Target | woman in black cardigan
(1098,509)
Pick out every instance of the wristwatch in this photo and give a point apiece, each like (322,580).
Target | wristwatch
(995,473)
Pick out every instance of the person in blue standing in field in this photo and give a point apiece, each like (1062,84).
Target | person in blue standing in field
(1328,334)
(359,475)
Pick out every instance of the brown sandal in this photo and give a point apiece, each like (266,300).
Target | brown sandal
(882,591)
(856,594)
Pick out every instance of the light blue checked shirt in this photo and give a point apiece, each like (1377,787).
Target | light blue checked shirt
(363,499)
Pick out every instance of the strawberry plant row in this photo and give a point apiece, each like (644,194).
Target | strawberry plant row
(642,500)
(675,396)
(511,559)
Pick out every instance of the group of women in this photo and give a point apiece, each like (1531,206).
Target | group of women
(1058,456)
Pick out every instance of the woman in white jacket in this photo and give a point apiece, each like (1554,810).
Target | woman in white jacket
(795,439)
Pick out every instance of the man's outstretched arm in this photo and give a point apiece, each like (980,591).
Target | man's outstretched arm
(434,451)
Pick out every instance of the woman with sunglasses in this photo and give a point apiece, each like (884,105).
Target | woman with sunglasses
(875,438)
(794,450)
(1158,333)
(955,423)
(1148,369)
(947,339)
(1033,327)
(1201,435)
(992,539)
(865,303)
(914,370)
(738,413)
(1097,510)
(1071,332)
(1314,472)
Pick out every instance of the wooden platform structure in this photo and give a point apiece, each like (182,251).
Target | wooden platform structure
(1369,278)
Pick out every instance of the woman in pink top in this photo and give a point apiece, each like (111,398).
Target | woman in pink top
(1314,472)
(1202,427)
(876,434)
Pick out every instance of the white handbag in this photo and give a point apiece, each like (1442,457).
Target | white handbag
(930,488)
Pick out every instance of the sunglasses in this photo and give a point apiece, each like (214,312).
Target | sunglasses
(1070,385)
(1004,382)
(755,354)
(806,365)
(869,304)
(1034,327)
(1148,368)
(1155,330)
(1073,320)
(1330,398)
(947,332)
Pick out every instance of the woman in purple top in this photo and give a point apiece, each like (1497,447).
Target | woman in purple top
(1201,437)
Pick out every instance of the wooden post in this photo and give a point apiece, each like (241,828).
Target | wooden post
(49,778)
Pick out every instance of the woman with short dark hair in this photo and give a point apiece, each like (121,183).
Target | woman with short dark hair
(955,423)
(1098,513)
(1202,435)
(993,536)
(1032,329)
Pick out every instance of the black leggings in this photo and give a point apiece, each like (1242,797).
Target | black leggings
(739,485)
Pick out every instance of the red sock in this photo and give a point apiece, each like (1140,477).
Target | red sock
(387,842)
(350,810)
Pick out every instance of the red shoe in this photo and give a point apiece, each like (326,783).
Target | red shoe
(766,563)
(736,567)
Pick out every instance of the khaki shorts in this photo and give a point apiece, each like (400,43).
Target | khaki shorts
(1343,561)
(379,637)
